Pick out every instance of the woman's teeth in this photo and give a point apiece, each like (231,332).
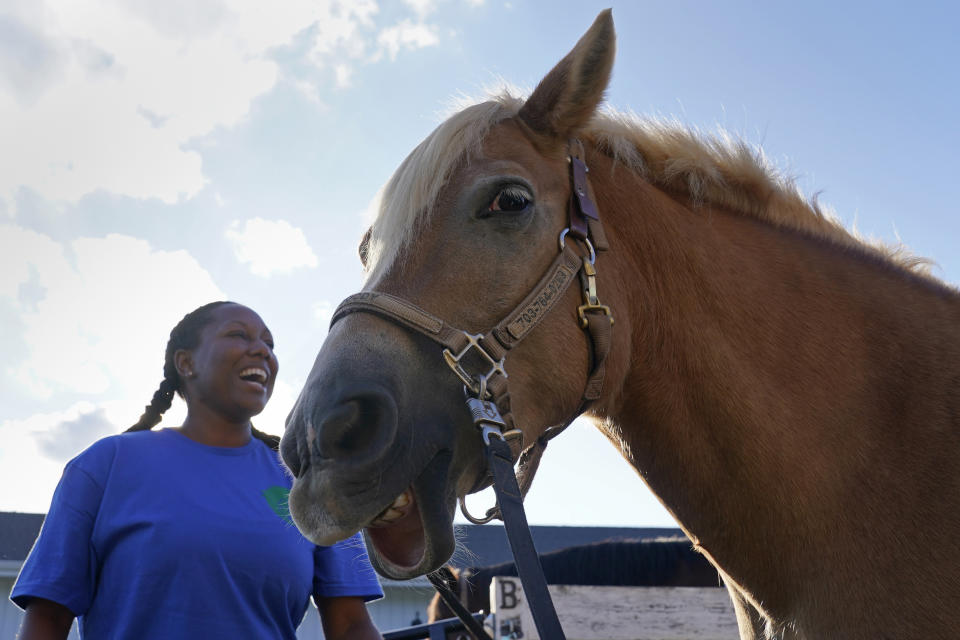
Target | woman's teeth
(254,374)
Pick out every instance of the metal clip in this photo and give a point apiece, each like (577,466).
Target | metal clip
(492,513)
(487,418)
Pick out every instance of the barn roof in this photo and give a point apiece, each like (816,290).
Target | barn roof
(481,546)
(17,533)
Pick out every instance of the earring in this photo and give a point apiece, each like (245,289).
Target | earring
(189,373)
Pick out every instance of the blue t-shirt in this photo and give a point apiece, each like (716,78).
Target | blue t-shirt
(153,535)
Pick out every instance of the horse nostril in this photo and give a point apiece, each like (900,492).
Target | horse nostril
(361,426)
(288,453)
(341,430)
(291,453)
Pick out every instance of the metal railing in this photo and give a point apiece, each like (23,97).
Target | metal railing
(449,629)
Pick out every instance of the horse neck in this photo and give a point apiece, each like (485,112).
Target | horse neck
(770,375)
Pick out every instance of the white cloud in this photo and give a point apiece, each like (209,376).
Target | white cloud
(96,313)
(422,8)
(29,475)
(407,35)
(36,448)
(343,73)
(105,95)
(341,33)
(64,439)
(270,246)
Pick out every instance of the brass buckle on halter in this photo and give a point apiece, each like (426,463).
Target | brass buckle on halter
(469,381)
(590,301)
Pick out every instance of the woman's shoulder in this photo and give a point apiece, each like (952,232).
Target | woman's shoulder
(104,451)
(121,455)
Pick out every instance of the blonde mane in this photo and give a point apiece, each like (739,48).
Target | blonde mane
(710,169)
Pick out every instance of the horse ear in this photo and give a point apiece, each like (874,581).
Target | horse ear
(568,96)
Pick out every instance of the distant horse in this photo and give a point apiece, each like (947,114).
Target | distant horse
(791,394)
(657,562)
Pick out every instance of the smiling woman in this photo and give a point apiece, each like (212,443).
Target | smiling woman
(185,532)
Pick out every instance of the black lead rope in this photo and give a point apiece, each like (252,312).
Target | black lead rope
(526,558)
(500,461)
(487,418)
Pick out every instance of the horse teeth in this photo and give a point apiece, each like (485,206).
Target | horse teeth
(394,511)
(388,516)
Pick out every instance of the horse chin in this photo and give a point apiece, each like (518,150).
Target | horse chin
(422,540)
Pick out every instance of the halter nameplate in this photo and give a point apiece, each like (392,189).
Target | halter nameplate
(531,312)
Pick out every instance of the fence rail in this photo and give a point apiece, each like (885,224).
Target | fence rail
(449,629)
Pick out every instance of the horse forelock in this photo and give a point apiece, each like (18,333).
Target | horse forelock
(409,197)
(711,169)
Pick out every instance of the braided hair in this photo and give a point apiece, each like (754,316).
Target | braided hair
(186,335)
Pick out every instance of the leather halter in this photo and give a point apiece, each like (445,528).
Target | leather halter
(488,397)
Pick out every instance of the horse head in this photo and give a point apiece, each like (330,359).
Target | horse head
(380,438)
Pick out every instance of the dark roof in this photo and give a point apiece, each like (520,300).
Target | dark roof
(485,545)
(18,531)
(477,546)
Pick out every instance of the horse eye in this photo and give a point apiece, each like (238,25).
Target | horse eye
(512,199)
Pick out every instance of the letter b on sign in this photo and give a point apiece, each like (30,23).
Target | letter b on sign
(508,594)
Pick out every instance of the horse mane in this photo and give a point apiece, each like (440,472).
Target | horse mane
(719,170)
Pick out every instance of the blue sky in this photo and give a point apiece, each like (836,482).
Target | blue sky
(154,156)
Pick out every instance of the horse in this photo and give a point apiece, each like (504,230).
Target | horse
(656,562)
(789,392)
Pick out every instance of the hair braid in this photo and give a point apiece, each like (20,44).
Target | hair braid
(161,401)
(268,439)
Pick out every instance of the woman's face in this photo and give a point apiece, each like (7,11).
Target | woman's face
(233,368)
